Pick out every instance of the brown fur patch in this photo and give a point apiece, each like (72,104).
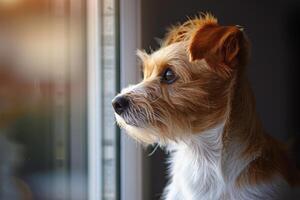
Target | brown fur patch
(218,45)
(273,162)
(182,32)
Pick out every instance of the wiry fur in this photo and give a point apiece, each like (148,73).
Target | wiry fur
(196,167)
(200,172)
(183,32)
(207,117)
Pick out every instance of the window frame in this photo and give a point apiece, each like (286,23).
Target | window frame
(94,102)
(131,152)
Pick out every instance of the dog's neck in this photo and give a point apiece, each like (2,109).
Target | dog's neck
(204,162)
(207,144)
(196,165)
(243,125)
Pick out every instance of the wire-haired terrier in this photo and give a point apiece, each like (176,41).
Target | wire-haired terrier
(196,101)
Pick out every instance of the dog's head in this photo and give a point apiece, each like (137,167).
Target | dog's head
(187,82)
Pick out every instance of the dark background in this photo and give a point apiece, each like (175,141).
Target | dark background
(273,28)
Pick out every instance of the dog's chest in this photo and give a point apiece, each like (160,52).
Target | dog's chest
(196,178)
(196,168)
(200,177)
(198,173)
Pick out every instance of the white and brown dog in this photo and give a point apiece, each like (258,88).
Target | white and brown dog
(196,101)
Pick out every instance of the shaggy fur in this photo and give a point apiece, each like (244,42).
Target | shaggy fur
(206,118)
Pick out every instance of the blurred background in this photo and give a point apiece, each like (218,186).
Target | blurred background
(61,63)
(43,98)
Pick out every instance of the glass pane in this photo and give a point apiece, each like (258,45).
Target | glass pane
(43,99)
(109,90)
(43,119)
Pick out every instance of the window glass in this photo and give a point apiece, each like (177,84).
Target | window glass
(43,99)
(110,140)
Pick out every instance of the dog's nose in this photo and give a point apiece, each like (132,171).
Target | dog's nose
(120,104)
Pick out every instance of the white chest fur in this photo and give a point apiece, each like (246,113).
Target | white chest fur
(196,167)
(198,172)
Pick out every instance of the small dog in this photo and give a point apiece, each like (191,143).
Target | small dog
(196,101)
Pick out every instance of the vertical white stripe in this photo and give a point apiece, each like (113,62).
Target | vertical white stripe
(94,100)
(131,153)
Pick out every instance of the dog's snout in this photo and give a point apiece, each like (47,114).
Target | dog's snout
(120,104)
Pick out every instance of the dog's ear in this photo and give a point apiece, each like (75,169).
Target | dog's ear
(220,46)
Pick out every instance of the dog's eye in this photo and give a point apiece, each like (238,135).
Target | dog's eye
(169,76)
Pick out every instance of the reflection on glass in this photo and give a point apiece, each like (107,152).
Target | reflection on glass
(43,131)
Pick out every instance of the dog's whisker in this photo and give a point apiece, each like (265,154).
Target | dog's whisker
(154,150)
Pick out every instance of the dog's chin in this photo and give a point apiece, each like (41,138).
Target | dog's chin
(126,121)
(142,135)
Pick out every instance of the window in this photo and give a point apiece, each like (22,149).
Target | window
(103,83)
(59,71)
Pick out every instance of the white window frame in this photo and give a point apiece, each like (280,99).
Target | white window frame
(94,100)
(131,153)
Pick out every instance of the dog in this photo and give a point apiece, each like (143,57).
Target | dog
(195,100)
